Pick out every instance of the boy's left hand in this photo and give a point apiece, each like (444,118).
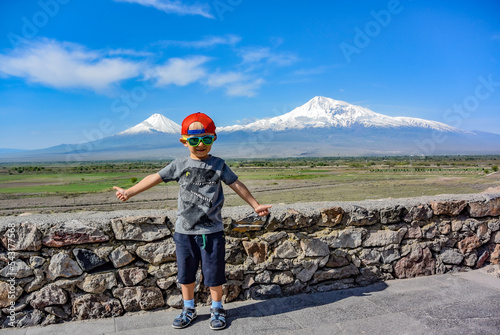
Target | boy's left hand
(262,210)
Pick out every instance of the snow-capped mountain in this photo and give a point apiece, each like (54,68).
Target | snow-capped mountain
(320,127)
(321,112)
(155,123)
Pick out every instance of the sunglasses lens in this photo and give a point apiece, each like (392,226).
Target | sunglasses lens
(207,140)
(194,141)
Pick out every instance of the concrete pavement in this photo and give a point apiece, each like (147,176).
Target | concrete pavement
(460,303)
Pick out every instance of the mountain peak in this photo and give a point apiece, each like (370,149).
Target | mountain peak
(325,103)
(155,123)
(323,112)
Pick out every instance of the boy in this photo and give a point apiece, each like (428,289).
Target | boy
(199,230)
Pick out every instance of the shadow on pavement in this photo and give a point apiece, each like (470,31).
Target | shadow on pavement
(303,301)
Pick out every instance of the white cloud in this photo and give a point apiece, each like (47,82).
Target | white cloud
(207,42)
(223,79)
(247,89)
(129,52)
(66,65)
(235,83)
(181,72)
(175,7)
(311,71)
(263,54)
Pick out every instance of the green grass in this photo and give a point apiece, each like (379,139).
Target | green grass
(332,179)
(65,183)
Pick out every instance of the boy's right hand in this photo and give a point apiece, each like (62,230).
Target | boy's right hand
(120,193)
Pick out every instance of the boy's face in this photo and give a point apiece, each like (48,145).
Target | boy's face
(201,150)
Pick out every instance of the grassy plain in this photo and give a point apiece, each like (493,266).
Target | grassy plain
(57,187)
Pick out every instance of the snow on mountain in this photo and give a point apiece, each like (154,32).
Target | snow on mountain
(155,123)
(322,112)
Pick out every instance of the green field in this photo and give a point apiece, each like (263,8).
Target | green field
(89,185)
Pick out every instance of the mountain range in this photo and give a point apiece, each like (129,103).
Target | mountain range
(321,127)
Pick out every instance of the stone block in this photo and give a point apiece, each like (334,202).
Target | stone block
(392,214)
(360,216)
(73,233)
(164,270)
(16,269)
(257,251)
(450,208)
(231,291)
(307,272)
(249,223)
(314,248)
(469,243)
(61,265)
(165,283)
(8,295)
(419,213)
(139,298)
(92,306)
(121,257)
(337,273)
(157,253)
(286,250)
(87,259)
(349,238)
(98,283)
(418,263)
(132,276)
(368,275)
(489,207)
(331,217)
(282,278)
(48,296)
(452,257)
(384,238)
(262,292)
(146,229)
(336,261)
(23,237)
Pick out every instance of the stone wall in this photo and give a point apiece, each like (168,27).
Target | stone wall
(91,265)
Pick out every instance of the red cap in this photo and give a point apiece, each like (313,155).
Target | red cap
(205,120)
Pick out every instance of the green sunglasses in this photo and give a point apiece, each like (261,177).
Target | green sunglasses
(194,140)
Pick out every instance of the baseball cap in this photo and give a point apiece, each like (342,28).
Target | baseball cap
(205,120)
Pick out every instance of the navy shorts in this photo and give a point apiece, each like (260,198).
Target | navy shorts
(209,249)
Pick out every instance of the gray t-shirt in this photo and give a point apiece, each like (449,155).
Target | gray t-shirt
(200,194)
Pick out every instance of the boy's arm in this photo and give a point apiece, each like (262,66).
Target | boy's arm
(143,185)
(245,194)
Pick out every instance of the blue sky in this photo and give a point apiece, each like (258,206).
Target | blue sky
(74,70)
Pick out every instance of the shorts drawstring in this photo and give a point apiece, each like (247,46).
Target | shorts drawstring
(204,237)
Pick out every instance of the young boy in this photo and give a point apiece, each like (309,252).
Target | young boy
(199,230)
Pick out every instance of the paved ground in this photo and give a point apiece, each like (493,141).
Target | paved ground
(461,303)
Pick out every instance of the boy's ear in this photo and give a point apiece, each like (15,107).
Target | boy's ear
(183,141)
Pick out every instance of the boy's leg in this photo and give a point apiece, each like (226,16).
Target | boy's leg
(216,293)
(213,267)
(188,291)
(187,263)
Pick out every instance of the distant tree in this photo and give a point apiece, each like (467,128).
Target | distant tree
(495,168)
